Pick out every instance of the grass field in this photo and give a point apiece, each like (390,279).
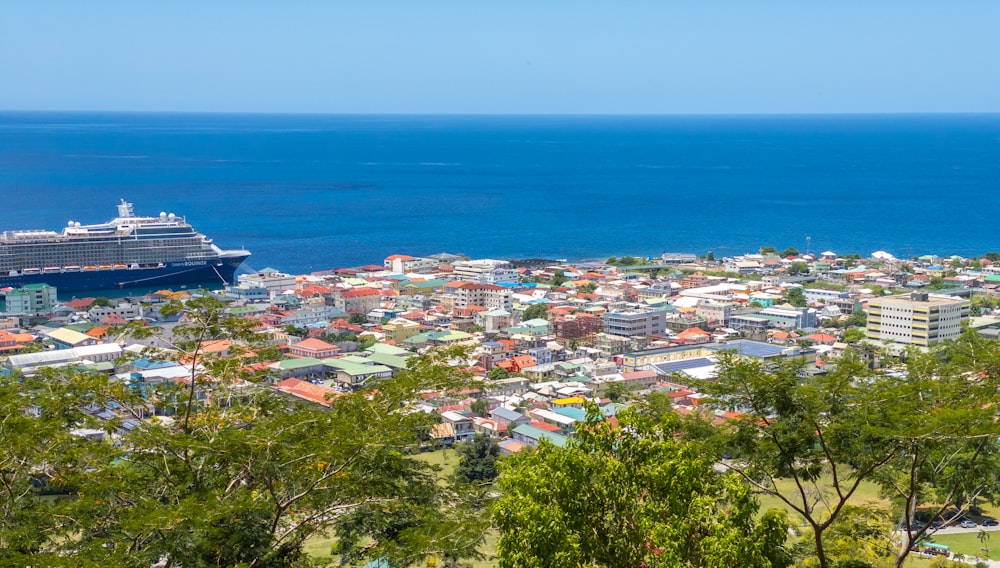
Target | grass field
(969,544)
(866,493)
(445,461)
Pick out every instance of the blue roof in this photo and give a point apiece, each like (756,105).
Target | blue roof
(749,348)
(683,365)
(152,364)
(506,413)
(571,412)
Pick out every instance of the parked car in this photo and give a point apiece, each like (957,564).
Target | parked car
(967,524)
(989,522)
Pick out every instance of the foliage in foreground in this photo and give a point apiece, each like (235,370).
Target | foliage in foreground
(629,495)
(232,474)
(926,434)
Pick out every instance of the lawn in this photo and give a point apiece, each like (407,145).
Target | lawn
(969,544)
(867,492)
(446,459)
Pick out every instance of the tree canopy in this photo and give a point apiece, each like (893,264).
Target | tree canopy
(629,495)
(924,434)
(535,311)
(216,469)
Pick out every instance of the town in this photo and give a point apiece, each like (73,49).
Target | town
(544,337)
(546,344)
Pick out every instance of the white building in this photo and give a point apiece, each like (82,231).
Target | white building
(487,295)
(916,319)
(270,279)
(404,264)
(486,271)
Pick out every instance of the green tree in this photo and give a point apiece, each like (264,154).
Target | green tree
(768,250)
(366,341)
(925,435)
(101,302)
(853,335)
(790,252)
(558,277)
(498,373)
(992,256)
(798,267)
(617,391)
(357,319)
(233,475)
(611,261)
(535,311)
(629,261)
(477,462)
(480,407)
(587,288)
(796,297)
(632,495)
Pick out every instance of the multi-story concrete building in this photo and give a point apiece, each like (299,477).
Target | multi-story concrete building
(823,294)
(358,300)
(917,318)
(270,279)
(489,296)
(717,314)
(790,318)
(486,271)
(404,264)
(31,299)
(635,323)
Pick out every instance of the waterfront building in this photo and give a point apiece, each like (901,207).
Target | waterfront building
(31,299)
(270,279)
(486,271)
(404,264)
(918,318)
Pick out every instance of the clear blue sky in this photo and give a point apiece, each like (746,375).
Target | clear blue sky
(503,56)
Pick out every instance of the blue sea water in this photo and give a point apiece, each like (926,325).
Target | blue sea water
(307,193)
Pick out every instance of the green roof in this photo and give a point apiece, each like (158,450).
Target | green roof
(557,440)
(296,363)
(354,368)
(389,360)
(387,349)
(426,284)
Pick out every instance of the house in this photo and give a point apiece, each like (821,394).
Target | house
(64,338)
(308,392)
(532,435)
(315,348)
(462,425)
(509,418)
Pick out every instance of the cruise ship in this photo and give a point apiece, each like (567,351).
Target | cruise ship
(126,252)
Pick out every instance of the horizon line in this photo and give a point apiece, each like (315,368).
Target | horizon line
(507,114)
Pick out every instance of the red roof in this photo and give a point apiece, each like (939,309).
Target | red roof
(546,426)
(308,391)
(359,292)
(399,257)
(314,344)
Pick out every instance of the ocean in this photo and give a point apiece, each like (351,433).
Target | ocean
(306,193)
